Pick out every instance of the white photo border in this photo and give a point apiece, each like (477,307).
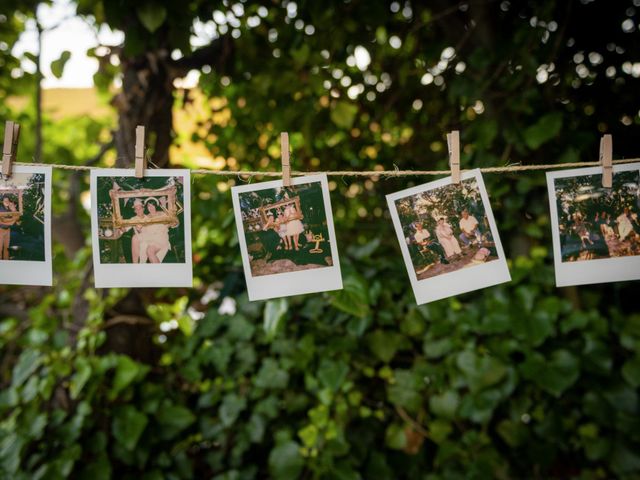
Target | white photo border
(586,272)
(285,284)
(459,281)
(32,272)
(144,275)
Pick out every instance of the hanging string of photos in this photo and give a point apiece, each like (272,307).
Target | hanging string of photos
(141,231)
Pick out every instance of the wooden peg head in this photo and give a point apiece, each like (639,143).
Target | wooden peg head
(453,142)
(286,166)
(141,160)
(10,147)
(606,160)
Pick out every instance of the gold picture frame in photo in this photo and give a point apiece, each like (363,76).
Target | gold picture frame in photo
(170,211)
(281,204)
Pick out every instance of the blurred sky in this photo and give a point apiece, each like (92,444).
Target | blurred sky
(64,31)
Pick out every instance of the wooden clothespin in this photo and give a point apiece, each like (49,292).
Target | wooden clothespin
(453,142)
(606,154)
(141,159)
(286,166)
(10,148)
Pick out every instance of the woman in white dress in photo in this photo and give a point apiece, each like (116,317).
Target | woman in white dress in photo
(154,241)
(281,223)
(294,225)
(447,239)
(625,226)
(138,208)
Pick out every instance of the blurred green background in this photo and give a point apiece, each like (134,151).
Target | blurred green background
(523,380)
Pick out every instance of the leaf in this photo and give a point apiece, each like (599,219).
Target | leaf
(533,328)
(285,461)
(394,437)
(241,328)
(151,15)
(513,433)
(274,312)
(404,392)
(384,344)
(271,375)
(80,378)
(363,251)
(546,128)
(308,435)
(344,114)
(127,370)
(446,404)
(11,445)
(27,363)
(332,373)
(57,66)
(624,459)
(439,430)
(437,348)
(554,375)
(631,372)
(127,426)
(353,298)
(480,371)
(174,419)
(230,408)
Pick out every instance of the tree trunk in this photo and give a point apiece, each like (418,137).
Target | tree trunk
(146,99)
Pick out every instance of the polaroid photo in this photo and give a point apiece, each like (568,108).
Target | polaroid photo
(141,228)
(25,227)
(448,237)
(286,237)
(595,230)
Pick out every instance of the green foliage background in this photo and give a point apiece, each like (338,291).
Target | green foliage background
(523,380)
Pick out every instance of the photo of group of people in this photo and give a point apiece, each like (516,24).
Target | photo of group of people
(448,237)
(141,225)
(25,226)
(287,232)
(595,230)
(22,217)
(285,229)
(596,222)
(140,220)
(446,229)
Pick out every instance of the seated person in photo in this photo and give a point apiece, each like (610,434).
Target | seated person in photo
(469,228)
(447,239)
(422,237)
(625,227)
(583,234)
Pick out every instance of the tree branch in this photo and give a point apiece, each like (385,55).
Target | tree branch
(217,54)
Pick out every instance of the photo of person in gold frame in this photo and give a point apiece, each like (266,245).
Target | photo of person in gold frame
(22,217)
(140,220)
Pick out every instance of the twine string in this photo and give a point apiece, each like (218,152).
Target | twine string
(354,173)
